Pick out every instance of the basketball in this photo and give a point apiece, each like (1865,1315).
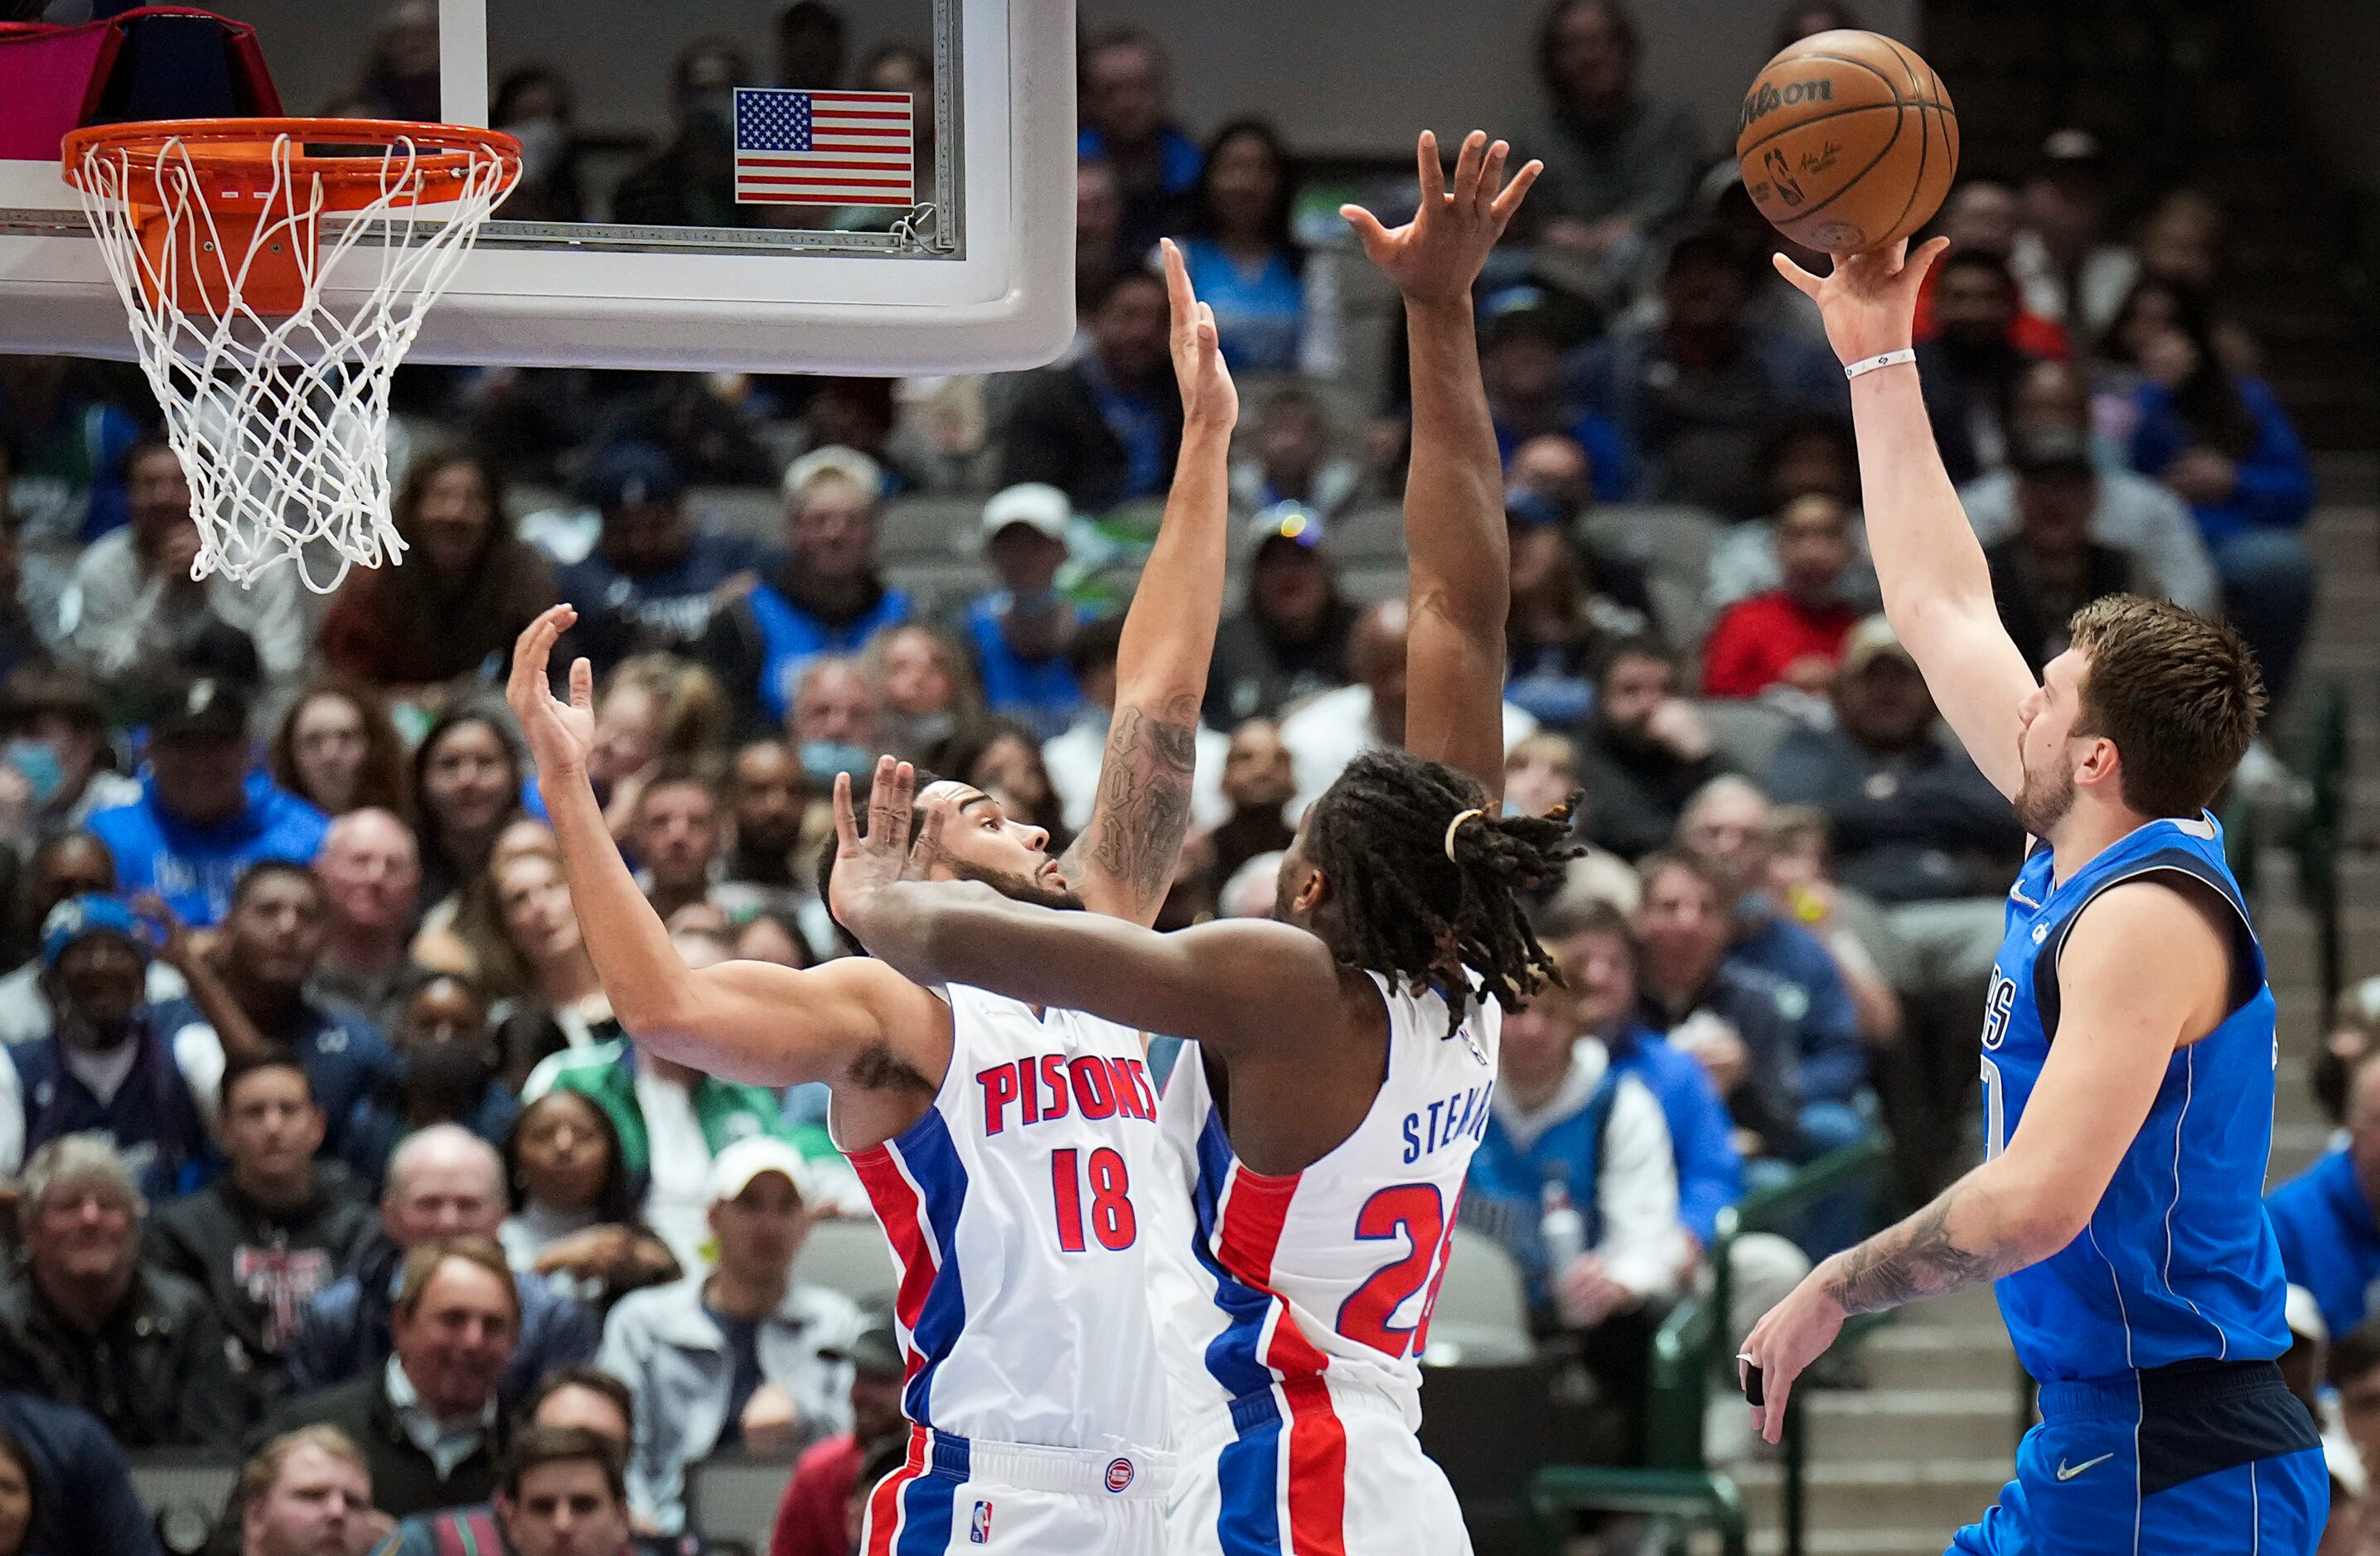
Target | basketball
(1846,141)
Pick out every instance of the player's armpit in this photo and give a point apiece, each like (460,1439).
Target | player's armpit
(765,1025)
(2143,971)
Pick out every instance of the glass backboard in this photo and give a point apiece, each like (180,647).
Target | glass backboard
(869,186)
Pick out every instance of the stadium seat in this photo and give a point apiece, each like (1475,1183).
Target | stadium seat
(752,511)
(732,1499)
(1673,544)
(848,1257)
(929,527)
(1745,730)
(1481,1316)
(1371,534)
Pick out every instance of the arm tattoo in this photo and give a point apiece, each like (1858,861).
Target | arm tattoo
(1143,812)
(1917,1259)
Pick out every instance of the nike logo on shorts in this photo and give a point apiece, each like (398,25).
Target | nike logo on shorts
(2067,1472)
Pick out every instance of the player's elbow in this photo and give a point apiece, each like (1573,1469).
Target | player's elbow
(660,1007)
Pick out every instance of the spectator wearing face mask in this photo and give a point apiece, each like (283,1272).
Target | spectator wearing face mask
(1019,633)
(86,1323)
(828,598)
(274,1227)
(535,105)
(926,685)
(448,1071)
(55,723)
(835,722)
(206,810)
(106,1069)
(72,864)
(1289,641)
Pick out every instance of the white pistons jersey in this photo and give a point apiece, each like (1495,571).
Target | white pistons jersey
(1017,1238)
(1318,1285)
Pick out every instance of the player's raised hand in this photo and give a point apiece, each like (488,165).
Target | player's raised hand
(1436,256)
(1209,399)
(866,864)
(560,734)
(1869,300)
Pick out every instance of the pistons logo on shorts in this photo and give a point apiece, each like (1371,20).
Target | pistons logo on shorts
(979,1527)
(1118,1474)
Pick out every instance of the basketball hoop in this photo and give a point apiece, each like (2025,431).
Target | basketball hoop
(276,270)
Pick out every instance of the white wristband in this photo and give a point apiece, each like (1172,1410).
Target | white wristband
(1890,359)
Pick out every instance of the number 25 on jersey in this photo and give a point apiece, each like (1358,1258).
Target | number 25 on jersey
(1108,1214)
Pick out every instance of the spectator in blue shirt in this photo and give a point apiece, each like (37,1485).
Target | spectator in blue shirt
(827,598)
(1274,310)
(1521,348)
(1104,428)
(1124,125)
(1727,825)
(1020,633)
(2324,1219)
(206,810)
(655,575)
(2221,443)
(253,995)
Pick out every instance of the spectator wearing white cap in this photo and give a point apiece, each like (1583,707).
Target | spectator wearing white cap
(827,597)
(1020,633)
(740,1355)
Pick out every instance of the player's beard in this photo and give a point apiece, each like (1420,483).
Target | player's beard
(1018,888)
(2043,800)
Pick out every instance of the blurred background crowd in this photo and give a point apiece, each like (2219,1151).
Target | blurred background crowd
(315,1110)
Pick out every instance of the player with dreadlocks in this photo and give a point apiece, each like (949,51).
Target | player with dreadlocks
(1341,1054)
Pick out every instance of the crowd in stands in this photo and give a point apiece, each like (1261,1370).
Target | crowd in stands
(324,1144)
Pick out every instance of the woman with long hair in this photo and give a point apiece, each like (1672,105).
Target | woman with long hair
(466,588)
(652,708)
(338,749)
(574,1204)
(468,773)
(1002,758)
(2219,439)
(516,935)
(1276,306)
(926,686)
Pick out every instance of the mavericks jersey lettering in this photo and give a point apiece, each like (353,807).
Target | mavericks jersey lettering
(2178,1262)
(1014,1209)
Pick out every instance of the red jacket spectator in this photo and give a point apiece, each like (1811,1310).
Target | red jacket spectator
(1792,635)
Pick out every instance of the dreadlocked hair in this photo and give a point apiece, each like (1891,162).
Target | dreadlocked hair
(1398,905)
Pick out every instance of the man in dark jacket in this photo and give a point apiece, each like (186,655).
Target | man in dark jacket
(443,1182)
(1105,428)
(427,1419)
(2050,567)
(1643,753)
(86,1324)
(276,1227)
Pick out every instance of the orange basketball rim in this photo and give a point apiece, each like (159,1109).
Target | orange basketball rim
(229,211)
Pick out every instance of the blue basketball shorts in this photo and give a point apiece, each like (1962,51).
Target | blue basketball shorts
(2211,1458)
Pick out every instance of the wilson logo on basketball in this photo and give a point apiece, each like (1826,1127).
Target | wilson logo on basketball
(1765,99)
(1118,1474)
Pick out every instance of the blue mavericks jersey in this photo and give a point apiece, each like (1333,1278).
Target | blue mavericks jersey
(2178,1262)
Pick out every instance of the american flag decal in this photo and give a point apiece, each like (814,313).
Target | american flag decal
(824,148)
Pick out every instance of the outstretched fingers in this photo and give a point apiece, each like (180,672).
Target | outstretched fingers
(1468,163)
(533,651)
(1431,173)
(846,825)
(1803,282)
(1509,202)
(1178,292)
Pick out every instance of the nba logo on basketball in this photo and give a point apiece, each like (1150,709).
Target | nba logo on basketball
(1118,1474)
(979,1527)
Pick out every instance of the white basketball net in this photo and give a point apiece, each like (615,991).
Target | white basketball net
(282,422)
